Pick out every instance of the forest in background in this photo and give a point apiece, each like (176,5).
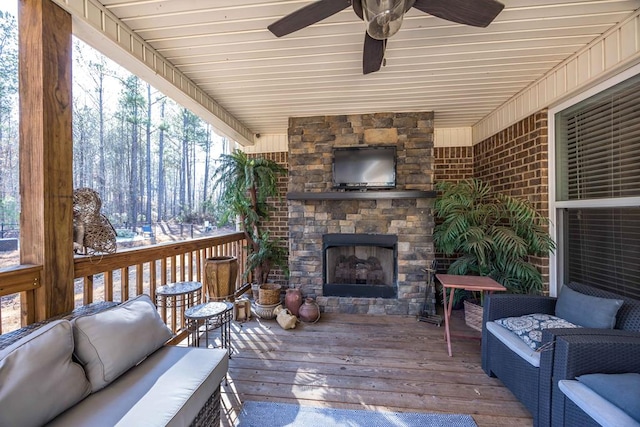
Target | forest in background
(149,158)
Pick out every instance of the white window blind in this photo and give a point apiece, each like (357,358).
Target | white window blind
(602,247)
(600,148)
(598,157)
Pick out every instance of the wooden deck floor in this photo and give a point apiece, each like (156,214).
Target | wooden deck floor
(391,363)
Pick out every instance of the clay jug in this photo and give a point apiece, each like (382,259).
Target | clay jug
(309,311)
(293,300)
(220,275)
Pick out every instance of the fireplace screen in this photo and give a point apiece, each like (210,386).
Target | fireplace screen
(360,265)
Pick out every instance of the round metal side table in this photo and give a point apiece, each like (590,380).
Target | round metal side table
(176,298)
(208,316)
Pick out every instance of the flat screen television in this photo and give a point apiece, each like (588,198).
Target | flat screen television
(357,168)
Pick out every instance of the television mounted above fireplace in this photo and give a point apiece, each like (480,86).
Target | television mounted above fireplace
(364,167)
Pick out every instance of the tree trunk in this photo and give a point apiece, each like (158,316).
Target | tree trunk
(147,215)
(161,178)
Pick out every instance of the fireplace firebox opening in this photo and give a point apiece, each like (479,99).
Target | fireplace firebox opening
(360,265)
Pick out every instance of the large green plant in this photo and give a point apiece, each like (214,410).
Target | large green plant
(245,184)
(493,233)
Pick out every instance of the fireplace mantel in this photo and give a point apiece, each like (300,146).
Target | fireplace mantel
(361,195)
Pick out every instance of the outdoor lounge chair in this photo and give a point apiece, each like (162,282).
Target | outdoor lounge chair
(604,393)
(532,376)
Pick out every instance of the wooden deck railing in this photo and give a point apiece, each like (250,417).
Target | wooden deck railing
(131,272)
(21,281)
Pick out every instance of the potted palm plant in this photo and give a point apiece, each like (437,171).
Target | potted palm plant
(245,185)
(492,234)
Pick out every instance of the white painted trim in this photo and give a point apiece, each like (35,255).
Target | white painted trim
(270,143)
(452,137)
(614,51)
(554,264)
(101,29)
(622,202)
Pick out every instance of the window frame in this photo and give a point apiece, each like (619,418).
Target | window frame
(556,226)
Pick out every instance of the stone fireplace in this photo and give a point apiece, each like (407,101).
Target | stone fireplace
(361,251)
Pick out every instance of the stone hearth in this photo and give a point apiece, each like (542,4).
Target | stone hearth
(404,212)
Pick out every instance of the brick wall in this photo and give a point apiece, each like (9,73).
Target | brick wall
(452,163)
(278,223)
(513,161)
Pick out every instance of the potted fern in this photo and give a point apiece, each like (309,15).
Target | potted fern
(245,184)
(492,234)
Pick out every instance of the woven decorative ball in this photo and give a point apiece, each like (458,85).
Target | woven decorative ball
(92,230)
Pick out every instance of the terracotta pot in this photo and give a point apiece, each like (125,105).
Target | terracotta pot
(293,300)
(220,275)
(309,311)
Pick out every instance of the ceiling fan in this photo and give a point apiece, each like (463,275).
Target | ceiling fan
(384,18)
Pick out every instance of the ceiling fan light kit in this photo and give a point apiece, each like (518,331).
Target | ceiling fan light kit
(384,19)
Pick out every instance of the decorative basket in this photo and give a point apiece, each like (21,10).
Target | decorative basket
(473,315)
(269,294)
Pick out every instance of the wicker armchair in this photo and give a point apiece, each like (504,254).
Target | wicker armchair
(574,356)
(536,387)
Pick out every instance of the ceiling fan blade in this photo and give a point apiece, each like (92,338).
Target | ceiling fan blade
(373,54)
(310,14)
(357,8)
(478,13)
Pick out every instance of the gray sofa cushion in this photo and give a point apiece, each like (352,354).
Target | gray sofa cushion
(514,343)
(623,390)
(38,379)
(167,389)
(587,311)
(597,407)
(110,342)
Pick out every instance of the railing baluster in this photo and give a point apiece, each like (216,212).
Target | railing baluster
(152,279)
(124,284)
(183,270)
(139,279)
(87,297)
(163,268)
(199,265)
(108,285)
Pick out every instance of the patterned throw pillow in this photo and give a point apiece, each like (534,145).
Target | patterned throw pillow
(529,328)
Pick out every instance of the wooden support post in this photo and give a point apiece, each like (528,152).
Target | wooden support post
(46,152)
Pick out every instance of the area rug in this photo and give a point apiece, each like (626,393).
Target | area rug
(263,414)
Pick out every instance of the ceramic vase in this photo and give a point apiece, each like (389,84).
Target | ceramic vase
(293,300)
(309,311)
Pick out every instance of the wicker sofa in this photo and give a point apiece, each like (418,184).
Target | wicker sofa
(107,365)
(532,376)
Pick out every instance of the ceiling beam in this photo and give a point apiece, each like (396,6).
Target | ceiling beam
(101,29)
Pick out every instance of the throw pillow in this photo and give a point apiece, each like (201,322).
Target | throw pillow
(529,327)
(38,378)
(587,311)
(623,390)
(111,342)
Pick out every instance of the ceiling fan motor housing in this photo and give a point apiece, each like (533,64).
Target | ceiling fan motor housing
(383,17)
